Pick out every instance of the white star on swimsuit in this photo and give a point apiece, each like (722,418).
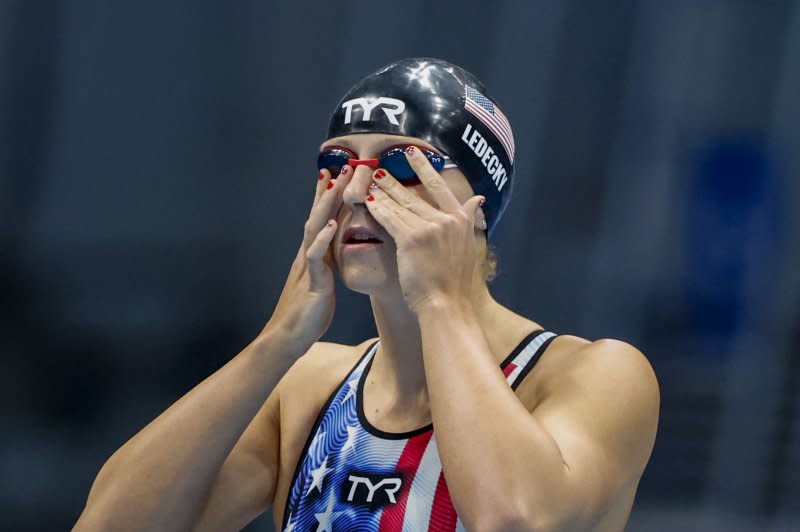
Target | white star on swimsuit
(318,475)
(351,440)
(317,437)
(353,384)
(327,517)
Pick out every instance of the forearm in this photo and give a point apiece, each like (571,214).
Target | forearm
(497,458)
(161,476)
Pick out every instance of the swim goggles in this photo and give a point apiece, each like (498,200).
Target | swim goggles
(393,160)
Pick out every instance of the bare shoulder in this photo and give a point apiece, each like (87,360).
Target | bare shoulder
(605,362)
(603,392)
(324,362)
(314,375)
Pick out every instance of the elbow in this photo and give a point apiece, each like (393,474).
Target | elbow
(518,524)
(88,522)
(495,520)
(95,515)
(519,521)
(505,524)
(99,503)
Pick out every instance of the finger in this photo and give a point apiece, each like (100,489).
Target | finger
(340,183)
(473,208)
(402,195)
(323,178)
(396,219)
(326,207)
(434,183)
(315,255)
(322,181)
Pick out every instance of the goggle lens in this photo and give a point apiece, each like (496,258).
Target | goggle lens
(333,159)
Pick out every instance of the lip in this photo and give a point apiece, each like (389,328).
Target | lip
(347,248)
(356,229)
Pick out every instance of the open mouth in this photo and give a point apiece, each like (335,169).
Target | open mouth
(360,237)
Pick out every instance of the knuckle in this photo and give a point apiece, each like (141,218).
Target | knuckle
(427,233)
(407,202)
(413,240)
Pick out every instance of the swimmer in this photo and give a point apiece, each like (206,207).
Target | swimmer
(459,415)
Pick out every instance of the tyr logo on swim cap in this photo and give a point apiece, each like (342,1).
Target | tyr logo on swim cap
(391,108)
(447,107)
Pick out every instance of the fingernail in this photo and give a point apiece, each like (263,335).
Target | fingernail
(482,202)
(379,173)
(370,198)
(484,226)
(329,185)
(373,186)
(330,223)
(321,175)
(343,170)
(411,151)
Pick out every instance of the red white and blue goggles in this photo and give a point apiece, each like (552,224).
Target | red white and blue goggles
(393,160)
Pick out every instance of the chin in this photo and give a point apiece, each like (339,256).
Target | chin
(366,279)
(367,273)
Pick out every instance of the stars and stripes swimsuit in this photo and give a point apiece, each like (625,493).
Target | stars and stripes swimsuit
(352,476)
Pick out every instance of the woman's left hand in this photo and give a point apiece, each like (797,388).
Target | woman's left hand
(437,247)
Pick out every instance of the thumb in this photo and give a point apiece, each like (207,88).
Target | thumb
(315,256)
(474,208)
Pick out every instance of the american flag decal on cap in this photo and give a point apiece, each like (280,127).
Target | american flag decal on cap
(492,117)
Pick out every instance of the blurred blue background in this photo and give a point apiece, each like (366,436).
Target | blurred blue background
(158,160)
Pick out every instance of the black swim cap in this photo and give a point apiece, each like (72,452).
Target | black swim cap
(444,105)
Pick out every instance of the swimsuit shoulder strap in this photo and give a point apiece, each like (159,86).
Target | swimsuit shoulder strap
(521,361)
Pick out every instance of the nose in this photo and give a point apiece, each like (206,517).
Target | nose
(355,192)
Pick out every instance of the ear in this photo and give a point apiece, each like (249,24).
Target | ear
(474,207)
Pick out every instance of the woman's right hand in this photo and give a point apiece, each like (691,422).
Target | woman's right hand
(307,302)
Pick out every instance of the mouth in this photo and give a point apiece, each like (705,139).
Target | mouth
(360,237)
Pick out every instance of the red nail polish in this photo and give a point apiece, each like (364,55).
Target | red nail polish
(410,151)
(379,174)
(343,170)
(370,198)
(482,202)
(329,185)
(321,175)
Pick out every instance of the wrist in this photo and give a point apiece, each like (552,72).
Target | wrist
(438,305)
(278,339)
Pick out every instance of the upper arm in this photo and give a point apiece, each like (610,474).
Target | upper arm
(601,410)
(245,484)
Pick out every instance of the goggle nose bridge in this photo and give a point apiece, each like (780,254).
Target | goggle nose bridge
(372,163)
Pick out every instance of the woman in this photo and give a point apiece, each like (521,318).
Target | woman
(533,431)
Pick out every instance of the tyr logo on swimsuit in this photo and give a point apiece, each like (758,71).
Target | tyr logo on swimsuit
(391,107)
(369,487)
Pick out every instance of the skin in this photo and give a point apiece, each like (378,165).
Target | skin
(564,451)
